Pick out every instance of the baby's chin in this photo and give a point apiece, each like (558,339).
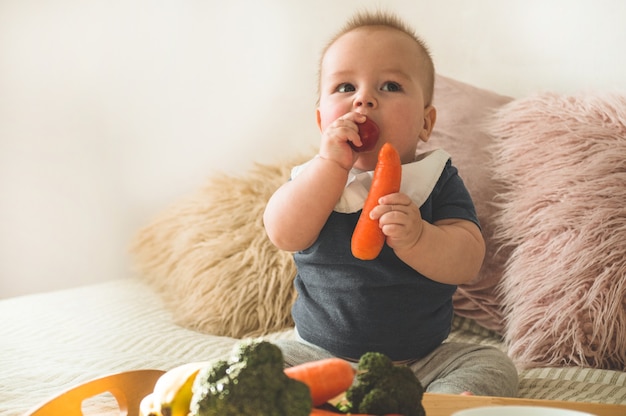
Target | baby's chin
(366,161)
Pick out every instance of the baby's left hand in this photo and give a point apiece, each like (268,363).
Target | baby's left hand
(400,219)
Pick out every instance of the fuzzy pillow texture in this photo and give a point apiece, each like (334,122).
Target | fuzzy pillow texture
(463,112)
(210,259)
(562,160)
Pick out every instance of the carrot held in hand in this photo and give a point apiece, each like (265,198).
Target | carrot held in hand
(325,378)
(368,238)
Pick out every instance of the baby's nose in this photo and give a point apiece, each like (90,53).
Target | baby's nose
(365,101)
(368,103)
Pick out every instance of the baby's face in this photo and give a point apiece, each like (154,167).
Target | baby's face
(377,71)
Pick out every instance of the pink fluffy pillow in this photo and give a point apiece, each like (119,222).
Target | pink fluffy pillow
(562,160)
(462,114)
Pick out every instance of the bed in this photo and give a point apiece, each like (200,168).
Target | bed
(546,169)
(39,367)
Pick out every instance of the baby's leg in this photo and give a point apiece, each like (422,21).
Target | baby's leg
(298,352)
(454,368)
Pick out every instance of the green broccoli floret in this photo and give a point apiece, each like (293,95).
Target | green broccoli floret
(382,388)
(251,382)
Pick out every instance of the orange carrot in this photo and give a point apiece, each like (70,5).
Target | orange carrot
(368,239)
(325,378)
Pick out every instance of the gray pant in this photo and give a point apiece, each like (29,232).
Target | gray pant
(452,368)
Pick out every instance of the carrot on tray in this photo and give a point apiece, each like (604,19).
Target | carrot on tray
(325,378)
(368,238)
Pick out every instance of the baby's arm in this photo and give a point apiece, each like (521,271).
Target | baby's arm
(448,251)
(296,213)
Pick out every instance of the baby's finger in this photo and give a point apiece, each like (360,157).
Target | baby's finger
(397,198)
(396,208)
(387,210)
(349,122)
(353,117)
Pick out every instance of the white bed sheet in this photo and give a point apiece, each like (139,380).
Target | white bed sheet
(57,340)
(54,341)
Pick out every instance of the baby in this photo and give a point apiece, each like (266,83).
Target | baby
(400,303)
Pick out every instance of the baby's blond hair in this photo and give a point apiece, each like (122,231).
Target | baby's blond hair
(389,21)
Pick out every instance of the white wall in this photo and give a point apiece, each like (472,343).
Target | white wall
(111,109)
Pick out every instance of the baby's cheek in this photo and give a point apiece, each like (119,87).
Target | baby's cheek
(327,115)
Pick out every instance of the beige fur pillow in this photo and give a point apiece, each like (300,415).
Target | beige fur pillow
(562,160)
(208,255)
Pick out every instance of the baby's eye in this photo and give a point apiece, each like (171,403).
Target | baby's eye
(391,86)
(346,87)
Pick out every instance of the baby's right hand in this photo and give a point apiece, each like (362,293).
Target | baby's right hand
(336,139)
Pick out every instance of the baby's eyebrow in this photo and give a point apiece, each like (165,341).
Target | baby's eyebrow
(339,74)
(391,72)
(394,72)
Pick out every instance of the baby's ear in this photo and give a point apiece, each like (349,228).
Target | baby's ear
(319,118)
(430,117)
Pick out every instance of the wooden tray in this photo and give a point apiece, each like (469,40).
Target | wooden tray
(130,387)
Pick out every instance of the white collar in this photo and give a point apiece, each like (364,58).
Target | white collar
(418,180)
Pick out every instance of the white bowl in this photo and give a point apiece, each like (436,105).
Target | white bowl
(519,411)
